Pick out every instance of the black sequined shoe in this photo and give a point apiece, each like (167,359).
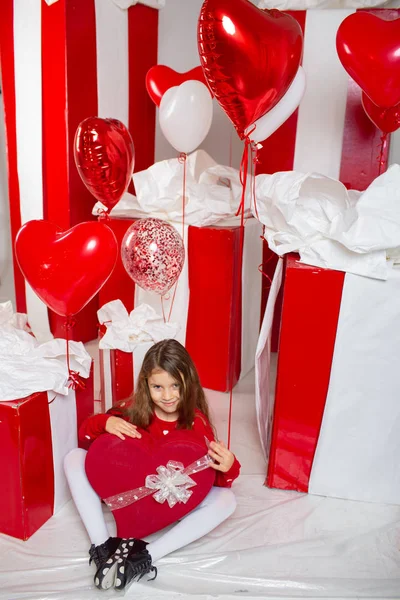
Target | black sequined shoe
(105,556)
(134,565)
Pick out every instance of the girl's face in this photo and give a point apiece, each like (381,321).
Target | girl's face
(165,394)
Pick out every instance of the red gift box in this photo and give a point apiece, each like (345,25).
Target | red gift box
(62,63)
(221,328)
(330,427)
(35,434)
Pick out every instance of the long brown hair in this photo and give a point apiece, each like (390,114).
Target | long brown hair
(172,357)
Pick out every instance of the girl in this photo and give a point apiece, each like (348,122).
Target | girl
(168,396)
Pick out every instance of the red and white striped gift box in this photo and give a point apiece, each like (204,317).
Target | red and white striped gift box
(63,61)
(218,309)
(35,435)
(331,428)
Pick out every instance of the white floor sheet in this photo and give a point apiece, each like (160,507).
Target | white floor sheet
(277,545)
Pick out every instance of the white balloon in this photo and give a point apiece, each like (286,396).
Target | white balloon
(274,118)
(186,114)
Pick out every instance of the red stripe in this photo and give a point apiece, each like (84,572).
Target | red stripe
(26,471)
(143,41)
(121,369)
(121,375)
(56,200)
(213,334)
(77,90)
(362,142)
(84,399)
(277,154)
(8,89)
(81,94)
(304,366)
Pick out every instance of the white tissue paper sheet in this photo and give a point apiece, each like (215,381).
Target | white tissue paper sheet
(213,193)
(331,227)
(27,367)
(8,317)
(126,331)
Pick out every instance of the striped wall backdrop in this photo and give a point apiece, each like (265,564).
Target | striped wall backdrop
(63,61)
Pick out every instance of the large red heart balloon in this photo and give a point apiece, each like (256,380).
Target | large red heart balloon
(160,78)
(369,50)
(385,119)
(249,56)
(105,158)
(66,268)
(114,466)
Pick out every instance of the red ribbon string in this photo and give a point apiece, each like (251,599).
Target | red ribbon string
(74,379)
(103,215)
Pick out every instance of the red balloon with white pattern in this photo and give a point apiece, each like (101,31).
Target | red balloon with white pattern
(105,158)
(153,255)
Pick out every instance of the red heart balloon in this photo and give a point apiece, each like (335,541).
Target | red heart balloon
(249,56)
(160,78)
(105,158)
(114,466)
(385,119)
(369,50)
(66,268)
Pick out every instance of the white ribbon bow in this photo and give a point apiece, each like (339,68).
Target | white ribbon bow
(172,484)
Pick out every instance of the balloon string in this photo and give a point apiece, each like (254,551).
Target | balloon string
(183,160)
(237,305)
(382,151)
(74,379)
(230,148)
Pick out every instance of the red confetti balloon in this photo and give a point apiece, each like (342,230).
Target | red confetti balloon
(153,254)
(105,158)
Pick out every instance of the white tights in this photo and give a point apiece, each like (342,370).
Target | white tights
(218,505)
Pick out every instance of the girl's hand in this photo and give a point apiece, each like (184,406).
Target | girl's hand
(224,458)
(121,428)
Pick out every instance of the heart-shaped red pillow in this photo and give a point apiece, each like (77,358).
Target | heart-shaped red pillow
(161,78)
(369,50)
(249,56)
(114,466)
(66,268)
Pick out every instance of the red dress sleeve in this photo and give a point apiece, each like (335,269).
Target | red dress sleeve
(94,426)
(202,426)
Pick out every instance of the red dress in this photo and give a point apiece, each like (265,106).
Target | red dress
(94,426)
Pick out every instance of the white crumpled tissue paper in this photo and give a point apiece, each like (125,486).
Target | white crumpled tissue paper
(27,367)
(213,193)
(329,226)
(126,331)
